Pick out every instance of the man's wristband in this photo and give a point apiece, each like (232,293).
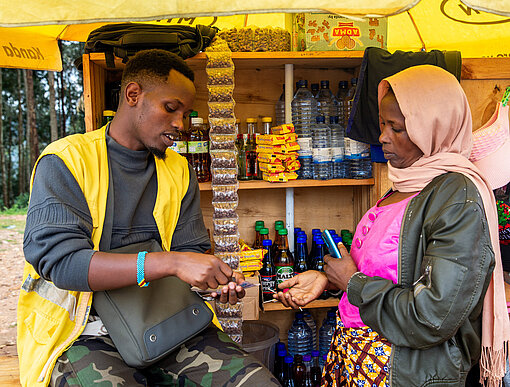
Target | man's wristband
(140,270)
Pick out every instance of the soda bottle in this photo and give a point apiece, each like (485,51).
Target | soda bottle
(288,381)
(257,242)
(264,234)
(296,232)
(298,371)
(276,241)
(281,352)
(284,261)
(318,257)
(300,256)
(242,165)
(308,379)
(268,272)
(198,149)
(315,371)
(251,146)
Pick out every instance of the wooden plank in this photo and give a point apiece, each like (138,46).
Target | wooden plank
(328,303)
(87,93)
(9,371)
(485,68)
(260,184)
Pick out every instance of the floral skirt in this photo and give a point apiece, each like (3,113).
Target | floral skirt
(358,357)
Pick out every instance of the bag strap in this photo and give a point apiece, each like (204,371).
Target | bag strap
(106,236)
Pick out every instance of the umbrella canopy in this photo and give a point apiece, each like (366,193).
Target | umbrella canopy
(29,31)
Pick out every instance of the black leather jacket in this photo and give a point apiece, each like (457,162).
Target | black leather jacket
(433,316)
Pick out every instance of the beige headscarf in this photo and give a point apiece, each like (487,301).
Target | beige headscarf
(438,121)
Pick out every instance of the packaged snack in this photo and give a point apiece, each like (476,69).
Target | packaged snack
(221,109)
(220,76)
(225,193)
(219,59)
(275,177)
(221,93)
(223,158)
(282,129)
(271,168)
(222,125)
(283,149)
(271,139)
(292,166)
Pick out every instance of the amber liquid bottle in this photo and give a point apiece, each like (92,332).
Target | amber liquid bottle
(198,149)
(284,261)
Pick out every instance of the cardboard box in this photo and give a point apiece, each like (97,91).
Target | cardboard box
(330,32)
(251,301)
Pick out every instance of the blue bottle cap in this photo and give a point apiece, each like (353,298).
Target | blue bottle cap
(282,352)
(301,233)
(332,231)
(302,83)
(325,84)
(320,119)
(342,85)
(319,241)
(337,239)
(307,358)
(333,119)
(301,239)
(297,229)
(331,313)
(325,357)
(280,345)
(316,230)
(267,242)
(315,353)
(288,359)
(299,315)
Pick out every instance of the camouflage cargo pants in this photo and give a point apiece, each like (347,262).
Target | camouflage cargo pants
(209,359)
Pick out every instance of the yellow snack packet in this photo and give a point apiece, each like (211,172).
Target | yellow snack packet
(275,177)
(282,129)
(271,168)
(271,139)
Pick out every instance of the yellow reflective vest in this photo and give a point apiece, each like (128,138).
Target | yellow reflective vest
(51,319)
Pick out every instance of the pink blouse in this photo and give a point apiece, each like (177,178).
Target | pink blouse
(375,251)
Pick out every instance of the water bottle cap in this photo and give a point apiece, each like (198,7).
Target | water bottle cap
(354,81)
(307,358)
(302,83)
(288,360)
(267,242)
(301,239)
(315,353)
(324,84)
(264,231)
(314,86)
(283,231)
(320,119)
(261,222)
(333,119)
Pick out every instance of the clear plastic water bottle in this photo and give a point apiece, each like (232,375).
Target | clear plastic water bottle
(326,332)
(357,155)
(349,101)
(307,316)
(279,109)
(343,89)
(339,166)
(315,89)
(321,150)
(300,336)
(327,104)
(304,111)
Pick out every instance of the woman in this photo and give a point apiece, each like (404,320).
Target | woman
(422,257)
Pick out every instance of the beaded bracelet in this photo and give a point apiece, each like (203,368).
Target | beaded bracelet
(140,270)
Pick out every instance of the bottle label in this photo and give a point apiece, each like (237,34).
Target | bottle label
(283,273)
(180,147)
(198,146)
(337,153)
(305,146)
(321,155)
(268,283)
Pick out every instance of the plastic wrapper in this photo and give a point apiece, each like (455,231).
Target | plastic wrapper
(222,125)
(290,147)
(224,213)
(227,226)
(292,166)
(217,45)
(271,168)
(223,158)
(223,93)
(232,205)
(222,141)
(219,59)
(281,177)
(221,109)
(230,258)
(220,76)
(276,139)
(223,176)
(225,240)
(256,39)
(227,248)
(225,193)
(276,158)
(226,310)
(283,129)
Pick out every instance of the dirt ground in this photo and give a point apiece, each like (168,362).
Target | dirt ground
(11,269)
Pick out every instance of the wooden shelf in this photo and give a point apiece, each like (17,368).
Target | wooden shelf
(254,60)
(260,184)
(328,303)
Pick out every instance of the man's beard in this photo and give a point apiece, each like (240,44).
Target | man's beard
(157,153)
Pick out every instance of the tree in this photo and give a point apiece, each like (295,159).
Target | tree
(33,139)
(5,187)
(53,111)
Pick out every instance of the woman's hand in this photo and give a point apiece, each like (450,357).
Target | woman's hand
(302,289)
(340,270)
(231,292)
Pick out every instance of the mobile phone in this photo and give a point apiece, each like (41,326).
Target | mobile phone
(332,247)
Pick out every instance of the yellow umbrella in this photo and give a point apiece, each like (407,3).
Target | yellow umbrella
(29,31)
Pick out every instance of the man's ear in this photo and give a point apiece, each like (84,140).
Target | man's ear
(132,93)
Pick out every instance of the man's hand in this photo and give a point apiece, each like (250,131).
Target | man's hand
(201,270)
(232,292)
(340,270)
(302,289)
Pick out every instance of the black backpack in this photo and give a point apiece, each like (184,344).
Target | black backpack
(124,40)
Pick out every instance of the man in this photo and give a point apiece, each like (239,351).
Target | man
(156,196)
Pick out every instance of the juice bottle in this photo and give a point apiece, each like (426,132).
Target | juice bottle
(198,150)
(284,261)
